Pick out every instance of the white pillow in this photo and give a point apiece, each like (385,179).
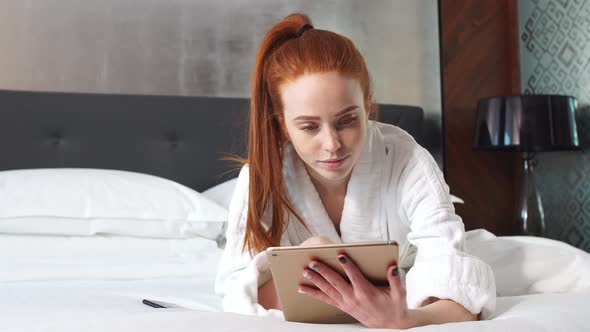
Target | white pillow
(456,200)
(529,265)
(222,193)
(70,201)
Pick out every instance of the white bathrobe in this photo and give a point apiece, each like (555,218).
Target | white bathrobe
(396,185)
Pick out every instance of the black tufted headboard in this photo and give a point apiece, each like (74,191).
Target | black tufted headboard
(180,138)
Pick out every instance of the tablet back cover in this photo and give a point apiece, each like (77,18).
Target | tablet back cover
(287,265)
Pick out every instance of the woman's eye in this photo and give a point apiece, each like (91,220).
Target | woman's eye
(309,128)
(347,121)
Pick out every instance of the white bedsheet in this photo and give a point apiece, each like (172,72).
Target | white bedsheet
(43,258)
(97,284)
(100,307)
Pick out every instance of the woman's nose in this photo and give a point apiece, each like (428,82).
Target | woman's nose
(331,140)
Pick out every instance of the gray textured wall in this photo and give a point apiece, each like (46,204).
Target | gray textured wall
(206,48)
(555,58)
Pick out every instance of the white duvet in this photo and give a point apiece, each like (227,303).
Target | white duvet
(97,284)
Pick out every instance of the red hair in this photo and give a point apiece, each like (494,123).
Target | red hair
(284,56)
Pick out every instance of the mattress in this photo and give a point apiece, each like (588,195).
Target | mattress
(97,284)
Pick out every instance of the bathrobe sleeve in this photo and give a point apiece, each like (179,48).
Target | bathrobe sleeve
(239,274)
(442,268)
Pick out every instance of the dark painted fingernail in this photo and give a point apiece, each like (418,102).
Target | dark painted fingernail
(315,267)
(395,272)
(342,259)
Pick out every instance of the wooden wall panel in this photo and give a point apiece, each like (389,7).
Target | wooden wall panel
(479,57)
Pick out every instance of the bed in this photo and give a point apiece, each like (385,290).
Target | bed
(106,200)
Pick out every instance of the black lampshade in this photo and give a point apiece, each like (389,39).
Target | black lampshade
(526,123)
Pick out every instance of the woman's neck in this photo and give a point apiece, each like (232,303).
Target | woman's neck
(332,195)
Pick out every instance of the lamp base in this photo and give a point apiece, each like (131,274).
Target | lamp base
(530,218)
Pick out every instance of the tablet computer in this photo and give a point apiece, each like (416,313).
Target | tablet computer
(287,265)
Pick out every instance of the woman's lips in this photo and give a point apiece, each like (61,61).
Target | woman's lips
(334,163)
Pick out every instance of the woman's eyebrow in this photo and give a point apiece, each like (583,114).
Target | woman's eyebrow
(345,110)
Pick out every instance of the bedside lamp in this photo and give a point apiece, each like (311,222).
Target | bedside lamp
(527,124)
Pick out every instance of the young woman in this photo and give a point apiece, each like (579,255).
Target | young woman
(319,171)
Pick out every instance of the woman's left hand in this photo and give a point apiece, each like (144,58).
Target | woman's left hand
(371,305)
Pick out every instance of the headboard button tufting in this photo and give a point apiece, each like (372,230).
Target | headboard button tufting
(55,138)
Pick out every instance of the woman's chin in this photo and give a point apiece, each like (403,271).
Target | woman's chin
(330,174)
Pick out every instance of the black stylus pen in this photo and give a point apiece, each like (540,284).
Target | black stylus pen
(152,304)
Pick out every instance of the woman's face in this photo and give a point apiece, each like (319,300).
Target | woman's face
(326,123)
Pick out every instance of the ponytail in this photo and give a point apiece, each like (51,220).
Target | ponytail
(290,48)
(267,138)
